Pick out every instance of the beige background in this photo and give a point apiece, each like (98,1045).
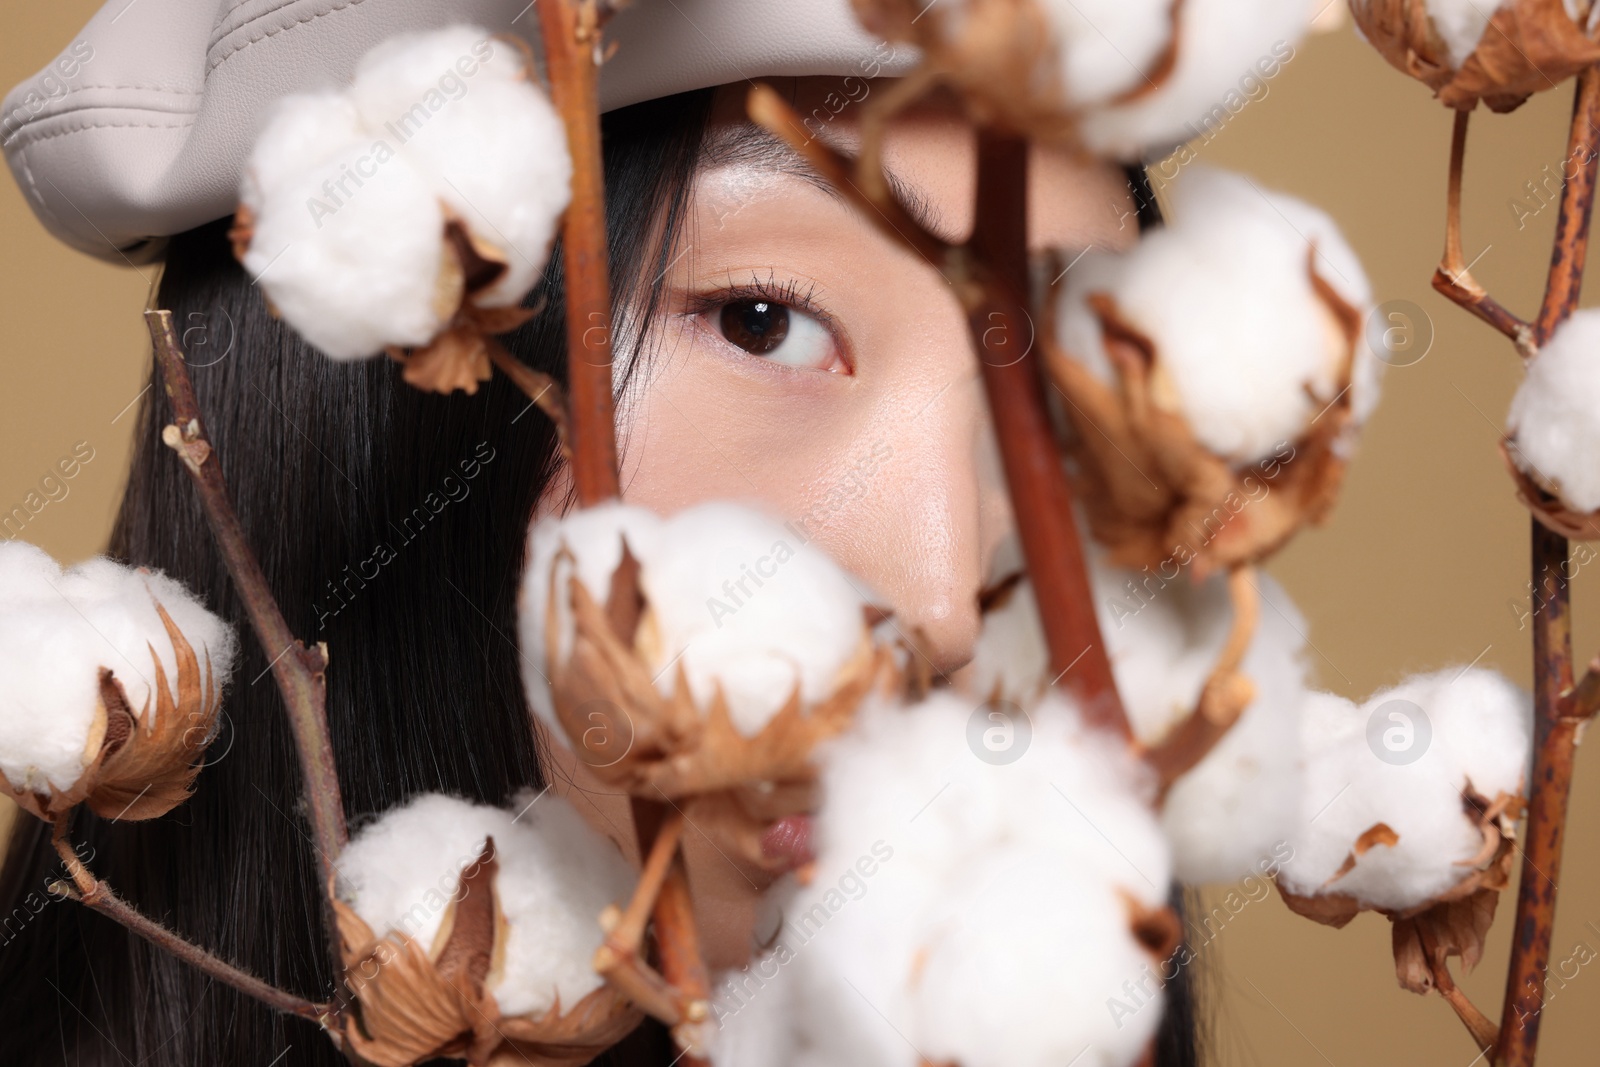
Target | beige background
(1420,568)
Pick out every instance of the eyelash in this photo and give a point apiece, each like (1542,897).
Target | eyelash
(769,289)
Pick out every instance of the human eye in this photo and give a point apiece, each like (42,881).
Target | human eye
(777,323)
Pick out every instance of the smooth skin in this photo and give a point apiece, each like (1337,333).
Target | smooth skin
(807,364)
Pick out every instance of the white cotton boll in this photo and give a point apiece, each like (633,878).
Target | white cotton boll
(1460,24)
(741,602)
(403,70)
(1029,969)
(347,191)
(400,872)
(1477,732)
(1107,46)
(754,1007)
(553,885)
(1010,659)
(1555,415)
(360,275)
(594,537)
(555,875)
(934,863)
(1226,49)
(1070,789)
(301,130)
(492,145)
(1229,814)
(1225,293)
(59,628)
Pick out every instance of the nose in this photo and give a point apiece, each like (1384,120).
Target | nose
(924,540)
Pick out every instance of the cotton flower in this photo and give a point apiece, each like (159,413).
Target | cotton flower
(1214,376)
(1226,50)
(968,912)
(1227,817)
(1553,433)
(1124,78)
(110,683)
(707,661)
(469,932)
(1410,809)
(1497,51)
(1473,730)
(414,208)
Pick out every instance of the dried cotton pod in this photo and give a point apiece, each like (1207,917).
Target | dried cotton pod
(1215,377)
(468,932)
(1410,810)
(1124,78)
(110,683)
(1552,444)
(973,913)
(702,656)
(1497,51)
(413,209)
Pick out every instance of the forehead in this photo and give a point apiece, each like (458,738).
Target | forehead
(930,151)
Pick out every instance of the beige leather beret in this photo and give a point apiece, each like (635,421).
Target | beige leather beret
(140,128)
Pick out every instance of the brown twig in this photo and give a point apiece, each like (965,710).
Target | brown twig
(1223,699)
(93,893)
(678,942)
(1483,1031)
(1584,700)
(539,387)
(679,994)
(619,959)
(1570,250)
(1002,331)
(300,672)
(884,210)
(1453,278)
(571,32)
(1555,734)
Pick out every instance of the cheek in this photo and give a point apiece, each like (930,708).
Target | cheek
(889,471)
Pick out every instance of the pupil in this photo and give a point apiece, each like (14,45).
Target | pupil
(756,326)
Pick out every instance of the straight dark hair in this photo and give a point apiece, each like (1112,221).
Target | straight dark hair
(391,525)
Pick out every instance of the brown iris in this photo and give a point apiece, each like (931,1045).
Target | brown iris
(757,326)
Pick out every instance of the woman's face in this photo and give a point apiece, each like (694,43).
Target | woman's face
(811,365)
(808,364)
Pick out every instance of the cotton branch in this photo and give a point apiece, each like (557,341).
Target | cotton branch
(990,277)
(571,33)
(683,1003)
(1555,732)
(876,201)
(298,670)
(1453,278)
(1584,700)
(1224,697)
(93,893)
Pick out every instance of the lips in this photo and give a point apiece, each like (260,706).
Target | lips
(788,842)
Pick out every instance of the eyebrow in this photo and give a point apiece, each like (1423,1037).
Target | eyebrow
(746,144)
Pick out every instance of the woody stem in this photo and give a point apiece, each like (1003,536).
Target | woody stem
(299,671)
(1555,730)
(677,940)
(1002,332)
(1453,278)
(571,33)
(93,893)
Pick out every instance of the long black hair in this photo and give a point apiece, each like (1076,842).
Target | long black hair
(391,525)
